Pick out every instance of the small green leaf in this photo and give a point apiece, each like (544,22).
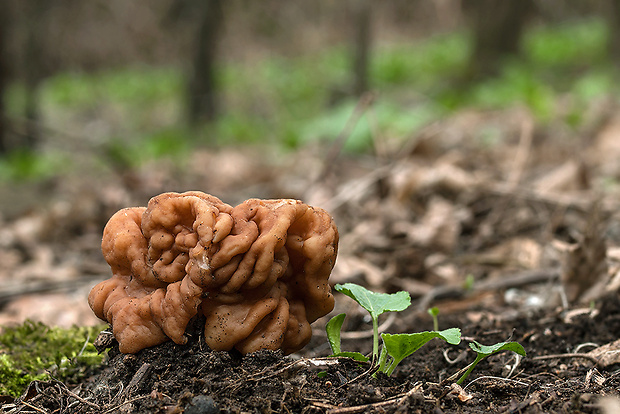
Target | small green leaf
(333,329)
(434,311)
(375,303)
(486,350)
(400,346)
(321,374)
(353,355)
(483,351)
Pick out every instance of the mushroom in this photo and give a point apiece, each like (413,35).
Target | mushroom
(258,272)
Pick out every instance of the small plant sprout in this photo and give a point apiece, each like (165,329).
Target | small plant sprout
(400,346)
(395,347)
(469,282)
(483,351)
(434,311)
(333,328)
(376,304)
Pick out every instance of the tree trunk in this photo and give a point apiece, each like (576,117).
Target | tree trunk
(497,29)
(3,82)
(614,31)
(33,68)
(361,47)
(203,102)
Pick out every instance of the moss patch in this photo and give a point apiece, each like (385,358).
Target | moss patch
(35,351)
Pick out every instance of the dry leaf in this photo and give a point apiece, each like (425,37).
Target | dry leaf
(608,354)
(584,265)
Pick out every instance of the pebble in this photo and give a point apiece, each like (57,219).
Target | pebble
(202,404)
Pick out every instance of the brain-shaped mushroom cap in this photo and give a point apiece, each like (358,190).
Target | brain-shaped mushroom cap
(258,272)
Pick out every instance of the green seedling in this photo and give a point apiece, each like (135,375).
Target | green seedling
(376,304)
(333,329)
(400,346)
(483,351)
(434,311)
(395,347)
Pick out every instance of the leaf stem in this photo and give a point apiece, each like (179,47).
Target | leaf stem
(375,338)
(470,368)
(383,359)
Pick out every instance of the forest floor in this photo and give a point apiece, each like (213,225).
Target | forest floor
(509,228)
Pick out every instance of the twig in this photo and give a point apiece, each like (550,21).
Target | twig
(370,371)
(264,374)
(457,374)
(116,407)
(140,374)
(570,355)
(80,399)
(585,344)
(461,356)
(33,407)
(399,399)
(497,378)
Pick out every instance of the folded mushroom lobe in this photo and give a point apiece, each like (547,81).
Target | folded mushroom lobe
(258,273)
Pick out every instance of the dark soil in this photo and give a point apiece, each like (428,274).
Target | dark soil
(555,377)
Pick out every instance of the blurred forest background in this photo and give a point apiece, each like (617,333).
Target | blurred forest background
(386,113)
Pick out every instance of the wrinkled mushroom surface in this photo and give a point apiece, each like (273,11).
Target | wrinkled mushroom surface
(258,272)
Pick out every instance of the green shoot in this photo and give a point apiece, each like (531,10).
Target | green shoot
(400,346)
(397,347)
(434,311)
(484,351)
(333,329)
(376,304)
(469,282)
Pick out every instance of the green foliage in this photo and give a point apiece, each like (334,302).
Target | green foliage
(135,86)
(483,351)
(333,329)
(172,143)
(421,64)
(397,347)
(517,85)
(28,165)
(376,304)
(400,346)
(288,102)
(434,312)
(568,44)
(34,351)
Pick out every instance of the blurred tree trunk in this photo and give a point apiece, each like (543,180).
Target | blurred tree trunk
(4,74)
(203,102)
(361,47)
(497,30)
(614,31)
(33,67)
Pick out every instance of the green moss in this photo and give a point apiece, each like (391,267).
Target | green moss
(35,351)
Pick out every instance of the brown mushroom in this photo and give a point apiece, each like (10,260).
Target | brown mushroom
(257,272)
